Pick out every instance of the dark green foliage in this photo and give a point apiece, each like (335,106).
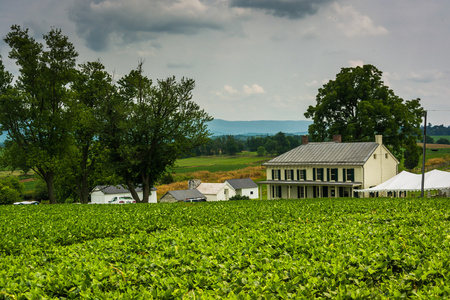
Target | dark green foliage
(11,190)
(428,140)
(412,155)
(34,111)
(261,151)
(443,141)
(357,105)
(149,126)
(239,197)
(438,130)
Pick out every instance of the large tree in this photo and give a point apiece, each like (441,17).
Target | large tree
(91,88)
(149,126)
(358,105)
(34,111)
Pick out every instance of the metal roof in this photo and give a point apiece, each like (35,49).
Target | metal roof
(330,153)
(211,188)
(120,189)
(184,194)
(244,183)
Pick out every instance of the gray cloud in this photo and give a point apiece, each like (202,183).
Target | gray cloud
(292,9)
(100,22)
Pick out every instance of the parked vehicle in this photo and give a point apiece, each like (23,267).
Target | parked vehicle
(195,200)
(122,200)
(26,203)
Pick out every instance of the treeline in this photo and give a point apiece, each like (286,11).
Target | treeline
(263,145)
(437,130)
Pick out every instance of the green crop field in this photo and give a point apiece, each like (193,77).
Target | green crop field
(377,248)
(217,163)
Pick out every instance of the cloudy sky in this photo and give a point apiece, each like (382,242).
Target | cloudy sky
(256,59)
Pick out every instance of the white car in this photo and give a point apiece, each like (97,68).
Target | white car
(122,200)
(26,203)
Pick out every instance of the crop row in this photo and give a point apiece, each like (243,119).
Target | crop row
(341,248)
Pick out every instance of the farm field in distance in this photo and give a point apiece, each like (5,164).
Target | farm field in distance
(219,163)
(381,248)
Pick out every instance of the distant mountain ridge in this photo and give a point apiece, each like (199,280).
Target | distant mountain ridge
(262,127)
(267,127)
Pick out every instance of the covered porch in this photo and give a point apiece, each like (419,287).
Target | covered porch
(291,189)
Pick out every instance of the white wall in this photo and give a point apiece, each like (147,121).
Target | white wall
(248,192)
(100,198)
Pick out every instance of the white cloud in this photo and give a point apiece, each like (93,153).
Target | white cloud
(425,76)
(355,63)
(246,91)
(230,90)
(353,23)
(254,89)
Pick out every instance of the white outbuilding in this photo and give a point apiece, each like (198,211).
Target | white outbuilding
(245,187)
(216,191)
(103,194)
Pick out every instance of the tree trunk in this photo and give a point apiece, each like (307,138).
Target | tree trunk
(133,191)
(48,178)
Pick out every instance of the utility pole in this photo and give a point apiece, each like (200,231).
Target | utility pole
(424,150)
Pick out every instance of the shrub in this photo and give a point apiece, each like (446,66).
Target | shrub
(11,190)
(240,197)
(443,141)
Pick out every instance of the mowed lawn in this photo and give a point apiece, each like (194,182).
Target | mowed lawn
(218,163)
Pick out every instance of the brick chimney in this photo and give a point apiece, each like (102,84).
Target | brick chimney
(304,139)
(337,138)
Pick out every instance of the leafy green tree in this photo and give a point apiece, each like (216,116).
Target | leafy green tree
(429,140)
(412,155)
(150,126)
(357,105)
(34,111)
(283,144)
(261,151)
(11,190)
(231,145)
(443,141)
(91,88)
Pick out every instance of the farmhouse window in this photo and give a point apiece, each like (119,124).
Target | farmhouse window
(276,174)
(386,155)
(276,191)
(320,174)
(301,174)
(349,174)
(289,174)
(301,192)
(333,175)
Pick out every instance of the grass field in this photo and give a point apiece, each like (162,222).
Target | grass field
(218,163)
(339,248)
(437,137)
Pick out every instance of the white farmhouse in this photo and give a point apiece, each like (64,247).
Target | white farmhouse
(102,194)
(245,187)
(216,191)
(329,169)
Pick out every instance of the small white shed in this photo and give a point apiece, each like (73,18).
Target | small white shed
(245,187)
(102,194)
(216,191)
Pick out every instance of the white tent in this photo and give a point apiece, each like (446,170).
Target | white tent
(406,181)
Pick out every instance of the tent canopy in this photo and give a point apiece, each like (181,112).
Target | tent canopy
(406,181)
